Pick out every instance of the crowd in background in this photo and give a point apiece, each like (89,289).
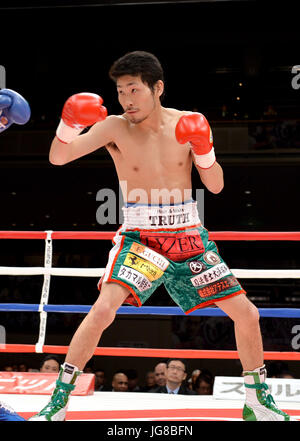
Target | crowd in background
(167,376)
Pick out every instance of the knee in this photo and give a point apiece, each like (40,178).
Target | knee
(102,314)
(252,315)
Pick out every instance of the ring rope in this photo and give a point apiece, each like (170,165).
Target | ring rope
(108,235)
(98,272)
(47,271)
(145,310)
(155,352)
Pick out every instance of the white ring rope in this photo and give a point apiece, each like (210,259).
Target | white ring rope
(98,272)
(47,271)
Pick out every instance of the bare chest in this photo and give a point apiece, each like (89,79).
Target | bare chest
(150,151)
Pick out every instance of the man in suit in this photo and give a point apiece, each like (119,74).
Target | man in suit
(119,383)
(160,374)
(175,375)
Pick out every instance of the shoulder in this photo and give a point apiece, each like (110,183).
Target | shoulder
(113,121)
(159,389)
(112,128)
(180,113)
(186,391)
(176,114)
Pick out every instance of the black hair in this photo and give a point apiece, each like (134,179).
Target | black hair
(50,357)
(207,377)
(138,63)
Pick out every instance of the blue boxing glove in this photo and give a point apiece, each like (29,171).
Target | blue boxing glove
(8,414)
(13,109)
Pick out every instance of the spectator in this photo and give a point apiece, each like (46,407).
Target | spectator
(119,382)
(99,379)
(133,380)
(8,368)
(33,370)
(160,374)
(204,384)
(50,364)
(175,377)
(150,382)
(192,379)
(22,367)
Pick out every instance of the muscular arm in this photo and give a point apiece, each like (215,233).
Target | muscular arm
(194,128)
(212,177)
(99,135)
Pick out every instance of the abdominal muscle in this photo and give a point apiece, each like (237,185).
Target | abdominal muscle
(152,167)
(154,195)
(155,185)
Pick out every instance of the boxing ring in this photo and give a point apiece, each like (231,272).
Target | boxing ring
(131,406)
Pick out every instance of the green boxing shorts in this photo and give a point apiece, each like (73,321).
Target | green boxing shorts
(167,244)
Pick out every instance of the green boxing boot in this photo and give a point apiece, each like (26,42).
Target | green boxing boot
(260,405)
(57,407)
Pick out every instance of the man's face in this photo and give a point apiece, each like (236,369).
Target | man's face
(99,378)
(176,372)
(120,383)
(160,374)
(136,98)
(150,379)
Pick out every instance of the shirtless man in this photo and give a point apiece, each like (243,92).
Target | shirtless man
(160,241)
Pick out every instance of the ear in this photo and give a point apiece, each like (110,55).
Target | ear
(159,87)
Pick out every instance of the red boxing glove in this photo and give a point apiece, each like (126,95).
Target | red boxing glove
(80,111)
(194,128)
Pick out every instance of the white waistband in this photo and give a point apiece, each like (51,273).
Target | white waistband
(165,216)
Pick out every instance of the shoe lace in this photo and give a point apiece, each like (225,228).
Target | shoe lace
(60,395)
(263,387)
(268,398)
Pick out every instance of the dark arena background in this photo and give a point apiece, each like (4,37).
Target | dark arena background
(238,63)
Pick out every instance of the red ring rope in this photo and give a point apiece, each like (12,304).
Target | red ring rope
(145,352)
(108,235)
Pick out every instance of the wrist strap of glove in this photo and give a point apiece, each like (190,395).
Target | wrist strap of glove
(67,134)
(207,160)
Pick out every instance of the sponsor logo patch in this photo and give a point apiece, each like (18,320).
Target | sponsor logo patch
(196,266)
(150,255)
(137,279)
(170,217)
(68,369)
(211,275)
(151,271)
(217,287)
(211,258)
(175,246)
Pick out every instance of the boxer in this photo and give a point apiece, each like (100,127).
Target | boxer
(162,239)
(14,109)
(8,414)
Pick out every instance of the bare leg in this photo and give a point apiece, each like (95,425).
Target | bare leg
(100,316)
(247,330)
